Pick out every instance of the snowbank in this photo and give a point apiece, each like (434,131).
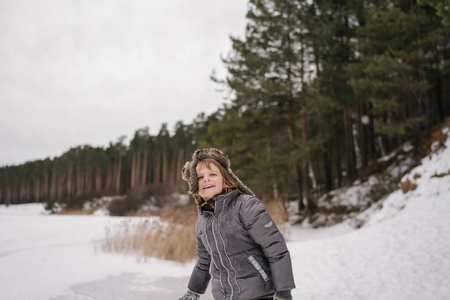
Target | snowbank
(403,252)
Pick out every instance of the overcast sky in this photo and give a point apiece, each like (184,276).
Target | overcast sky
(75,72)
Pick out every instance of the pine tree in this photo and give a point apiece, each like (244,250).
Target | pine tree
(391,78)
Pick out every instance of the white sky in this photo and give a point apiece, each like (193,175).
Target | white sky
(75,72)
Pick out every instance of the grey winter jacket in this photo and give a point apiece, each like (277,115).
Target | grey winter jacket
(241,248)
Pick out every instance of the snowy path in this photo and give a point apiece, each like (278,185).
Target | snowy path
(396,259)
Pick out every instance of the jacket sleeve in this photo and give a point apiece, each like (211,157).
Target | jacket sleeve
(200,277)
(264,232)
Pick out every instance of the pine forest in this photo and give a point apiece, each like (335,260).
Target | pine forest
(317,92)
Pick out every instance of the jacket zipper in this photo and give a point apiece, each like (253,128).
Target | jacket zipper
(209,244)
(229,259)
(220,256)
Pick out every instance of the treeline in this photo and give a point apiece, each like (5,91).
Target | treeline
(318,91)
(87,171)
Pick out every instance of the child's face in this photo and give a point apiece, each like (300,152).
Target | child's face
(210,181)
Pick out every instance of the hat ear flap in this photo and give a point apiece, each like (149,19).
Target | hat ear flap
(188,174)
(186,171)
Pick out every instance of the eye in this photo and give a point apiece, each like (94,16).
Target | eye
(199,178)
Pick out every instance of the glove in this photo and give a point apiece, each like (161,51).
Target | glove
(283,295)
(190,295)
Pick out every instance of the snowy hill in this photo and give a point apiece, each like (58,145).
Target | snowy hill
(401,252)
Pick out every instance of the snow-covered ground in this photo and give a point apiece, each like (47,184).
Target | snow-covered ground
(402,252)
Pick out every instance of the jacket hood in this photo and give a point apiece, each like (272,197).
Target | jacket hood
(189,173)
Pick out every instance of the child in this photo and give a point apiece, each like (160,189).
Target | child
(239,246)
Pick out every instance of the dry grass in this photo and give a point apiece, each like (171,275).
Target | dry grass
(172,236)
(436,139)
(278,211)
(407,186)
(440,175)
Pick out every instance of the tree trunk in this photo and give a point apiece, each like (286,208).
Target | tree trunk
(118,173)
(165,164)
(299,184)
(172,166)
(144,169)
(133,172)
(137,176)
(349,143)
(180,162)
(157,171)
(327,167)
(440,104)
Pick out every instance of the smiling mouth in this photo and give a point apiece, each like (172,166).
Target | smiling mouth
(208,186)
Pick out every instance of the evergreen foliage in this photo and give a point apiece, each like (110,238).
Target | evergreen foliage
(319,90)
(87,171)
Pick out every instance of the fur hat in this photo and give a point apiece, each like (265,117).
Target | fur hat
(190,175)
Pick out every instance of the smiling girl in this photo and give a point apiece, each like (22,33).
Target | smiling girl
(239,247)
